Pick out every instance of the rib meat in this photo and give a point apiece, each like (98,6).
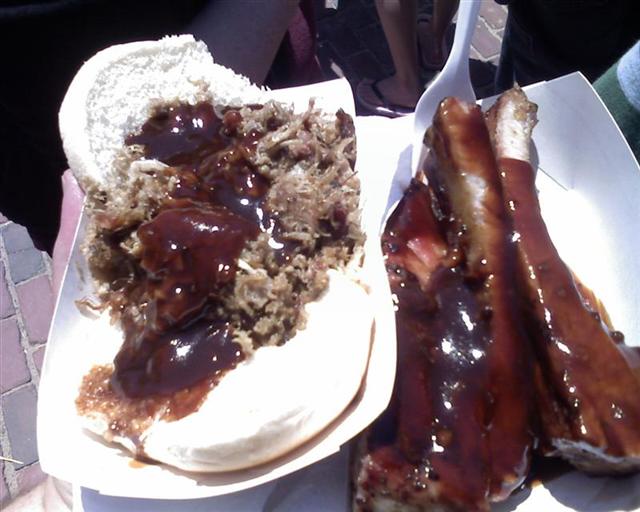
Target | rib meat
(456,435)
(469,193)
(588,392)
(420,454)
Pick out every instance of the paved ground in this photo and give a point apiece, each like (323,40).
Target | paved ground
(351,44)
(26,306)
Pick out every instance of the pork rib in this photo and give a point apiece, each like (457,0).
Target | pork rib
(456,435)
(467,184)
(588,391)
(427,450)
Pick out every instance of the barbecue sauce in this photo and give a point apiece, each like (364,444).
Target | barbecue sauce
(189,255)
(161,364)
(185,267)
(190,250)
(183,134)
(589,372)
(432,432)
(177,348)
(178,301)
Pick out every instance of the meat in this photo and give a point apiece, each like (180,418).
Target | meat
(467,185)
(457,433)
(587,389)
(415,452)
(501,350)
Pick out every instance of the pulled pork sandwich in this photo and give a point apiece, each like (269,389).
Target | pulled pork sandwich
(225,242)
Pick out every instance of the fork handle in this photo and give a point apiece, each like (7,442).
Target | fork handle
(465,27)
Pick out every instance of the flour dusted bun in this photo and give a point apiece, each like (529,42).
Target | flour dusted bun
(111,95)
(279,396)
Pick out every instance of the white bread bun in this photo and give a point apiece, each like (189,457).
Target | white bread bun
(111,96)
(278,398)
(273,402)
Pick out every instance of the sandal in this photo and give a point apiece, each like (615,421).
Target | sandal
(385,107)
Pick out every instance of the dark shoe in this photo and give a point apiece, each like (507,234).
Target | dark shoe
(384,107)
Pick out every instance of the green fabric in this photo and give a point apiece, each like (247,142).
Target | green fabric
(627,117)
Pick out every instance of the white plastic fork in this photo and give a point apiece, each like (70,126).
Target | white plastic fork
(453,80)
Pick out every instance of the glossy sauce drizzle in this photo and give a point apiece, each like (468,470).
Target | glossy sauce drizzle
(185,266)
(174,304)
(432,431)
(176,347)
(190,250)
(584,363)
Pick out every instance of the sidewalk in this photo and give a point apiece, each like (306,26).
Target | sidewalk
(350,44)
(26,307)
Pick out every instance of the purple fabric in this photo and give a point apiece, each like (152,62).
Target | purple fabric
(296,62)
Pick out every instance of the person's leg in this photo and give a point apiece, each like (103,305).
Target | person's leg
(432,37)
(398,18)
(244,36)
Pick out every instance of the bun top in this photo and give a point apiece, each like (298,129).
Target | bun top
(112,94)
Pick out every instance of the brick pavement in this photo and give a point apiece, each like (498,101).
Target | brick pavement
(351,44)
(26,307)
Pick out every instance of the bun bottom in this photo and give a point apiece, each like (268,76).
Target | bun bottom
(278,399)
